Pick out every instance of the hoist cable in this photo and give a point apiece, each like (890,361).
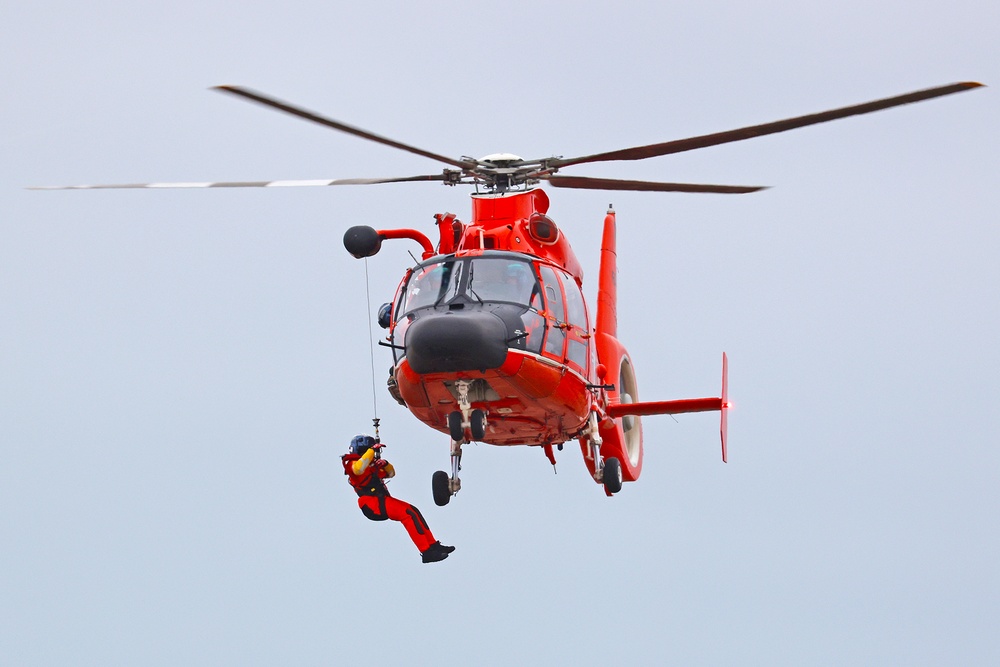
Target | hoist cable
(371,346)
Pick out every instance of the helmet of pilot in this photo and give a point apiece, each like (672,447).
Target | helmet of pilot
(518,274)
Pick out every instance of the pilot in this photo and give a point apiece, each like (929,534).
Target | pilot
(517,283)
(366,470)
(427,286)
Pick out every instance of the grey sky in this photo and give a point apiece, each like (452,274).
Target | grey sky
(180,370)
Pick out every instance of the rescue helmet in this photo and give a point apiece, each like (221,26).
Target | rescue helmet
(361,443)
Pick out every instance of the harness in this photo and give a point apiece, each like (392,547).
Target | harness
(368,484)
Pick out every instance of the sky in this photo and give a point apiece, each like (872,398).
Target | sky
(181,370)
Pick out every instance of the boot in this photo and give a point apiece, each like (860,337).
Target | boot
(435,552)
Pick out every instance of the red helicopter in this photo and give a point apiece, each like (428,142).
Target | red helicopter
(491,336)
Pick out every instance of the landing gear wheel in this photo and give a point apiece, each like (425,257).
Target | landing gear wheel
(612,475)
(455,426)
(441,488)
(477,424)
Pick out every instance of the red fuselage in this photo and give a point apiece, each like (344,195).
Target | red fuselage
(534,384)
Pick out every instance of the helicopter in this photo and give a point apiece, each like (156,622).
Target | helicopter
(491,336)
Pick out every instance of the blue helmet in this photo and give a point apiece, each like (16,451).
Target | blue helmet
(361,443)
(385,315)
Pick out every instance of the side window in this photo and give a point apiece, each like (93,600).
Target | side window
(536,299)
(398,336)
(397,332)
(576,311)
(577,353)
(397,309)
(576,314)
(555,339)
(553,295)
(534,327)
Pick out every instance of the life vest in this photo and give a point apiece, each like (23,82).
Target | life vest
(368,483)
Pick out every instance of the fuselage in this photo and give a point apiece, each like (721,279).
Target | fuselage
(503,312)
(514,327)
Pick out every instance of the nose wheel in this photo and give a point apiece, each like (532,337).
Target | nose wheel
(444,486)
(441,487)
(455,428)
(476,424)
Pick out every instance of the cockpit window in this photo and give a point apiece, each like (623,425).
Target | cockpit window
(502,279)
(480,279)
(432,285)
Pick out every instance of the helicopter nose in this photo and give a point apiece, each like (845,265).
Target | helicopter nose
(456,341)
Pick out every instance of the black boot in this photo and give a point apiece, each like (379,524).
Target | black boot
(435,552)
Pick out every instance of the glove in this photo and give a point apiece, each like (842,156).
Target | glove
(377,446)
(380,463)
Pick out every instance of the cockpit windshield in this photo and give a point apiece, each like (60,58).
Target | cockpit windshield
(502,279)
(480,279)
(433,284)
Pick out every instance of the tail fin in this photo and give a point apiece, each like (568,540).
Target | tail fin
(724,409)
(607,281)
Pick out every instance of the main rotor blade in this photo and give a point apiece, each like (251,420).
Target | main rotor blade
(703,141)
(585,183)
(247,184)
(337,125)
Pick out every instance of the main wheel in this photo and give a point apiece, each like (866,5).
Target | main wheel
(477,424)
(455,426)
(441,489)
(612,475)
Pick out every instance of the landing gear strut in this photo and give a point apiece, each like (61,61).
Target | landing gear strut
(609,470)
(442,485)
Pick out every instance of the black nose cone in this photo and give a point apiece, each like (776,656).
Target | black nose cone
(456,341)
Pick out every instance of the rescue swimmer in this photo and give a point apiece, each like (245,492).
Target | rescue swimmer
(367,471)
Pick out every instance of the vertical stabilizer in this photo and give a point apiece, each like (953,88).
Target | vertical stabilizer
(607,285)
(723,421)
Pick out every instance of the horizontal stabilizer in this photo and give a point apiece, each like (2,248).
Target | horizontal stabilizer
(683,406)
(665,407)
